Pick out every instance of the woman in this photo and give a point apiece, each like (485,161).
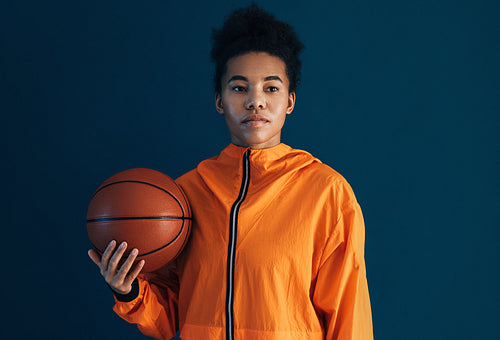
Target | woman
(277,243)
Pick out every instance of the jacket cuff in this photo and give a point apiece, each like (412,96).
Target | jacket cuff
(132,295)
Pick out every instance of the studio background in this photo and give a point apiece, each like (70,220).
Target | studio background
(400,97)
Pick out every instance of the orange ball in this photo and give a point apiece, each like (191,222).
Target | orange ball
(145,208)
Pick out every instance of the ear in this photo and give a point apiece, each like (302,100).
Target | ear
(291,102)
(218,103)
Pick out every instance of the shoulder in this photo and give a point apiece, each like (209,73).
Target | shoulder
(189,180)
(194,173)
(317,168)
(326,173)
(323,177)
(187,176)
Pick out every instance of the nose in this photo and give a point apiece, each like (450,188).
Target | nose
(255,100)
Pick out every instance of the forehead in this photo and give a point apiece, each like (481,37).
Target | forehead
(256,66)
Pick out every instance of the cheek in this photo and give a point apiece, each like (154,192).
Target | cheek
(230,106)
(281,107)
(231,120)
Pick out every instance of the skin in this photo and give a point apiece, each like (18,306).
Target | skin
(119,279)
(255,101)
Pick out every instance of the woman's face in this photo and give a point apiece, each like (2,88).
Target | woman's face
(254,99)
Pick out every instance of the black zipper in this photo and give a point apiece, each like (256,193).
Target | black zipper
(233,224)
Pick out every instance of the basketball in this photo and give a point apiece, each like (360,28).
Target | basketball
(145,208)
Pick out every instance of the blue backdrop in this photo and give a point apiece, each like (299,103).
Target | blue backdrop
(401,97)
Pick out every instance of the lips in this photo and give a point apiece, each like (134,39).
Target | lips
(255,120)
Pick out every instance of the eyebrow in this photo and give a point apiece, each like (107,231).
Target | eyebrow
(238,77)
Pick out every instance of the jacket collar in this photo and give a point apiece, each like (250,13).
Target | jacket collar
(271,166)
(277,159)
(257,155)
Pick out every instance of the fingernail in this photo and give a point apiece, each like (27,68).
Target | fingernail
(134,251)
(123,244)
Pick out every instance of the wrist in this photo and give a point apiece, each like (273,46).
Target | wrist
(127,297)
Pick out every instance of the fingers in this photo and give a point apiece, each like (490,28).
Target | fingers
(106,255)
(102,262)
(122,281)
(134,273)
(124,277)
(122,273)
(112,267)
(95,257)
(119,279)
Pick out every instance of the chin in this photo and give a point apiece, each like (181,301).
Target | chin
(254,140)
(261,143)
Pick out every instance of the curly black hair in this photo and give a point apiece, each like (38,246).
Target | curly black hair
(251,29)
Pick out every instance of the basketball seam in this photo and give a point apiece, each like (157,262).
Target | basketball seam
(106,219)
(155,186)
(157,249)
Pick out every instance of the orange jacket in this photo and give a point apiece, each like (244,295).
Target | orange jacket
(276,252)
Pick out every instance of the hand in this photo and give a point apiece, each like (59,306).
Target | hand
(120,280)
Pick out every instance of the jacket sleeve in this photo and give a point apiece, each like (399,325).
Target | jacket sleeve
(154,310)
(341,291)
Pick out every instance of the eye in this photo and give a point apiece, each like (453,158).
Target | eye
(238,88)
(272,89)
